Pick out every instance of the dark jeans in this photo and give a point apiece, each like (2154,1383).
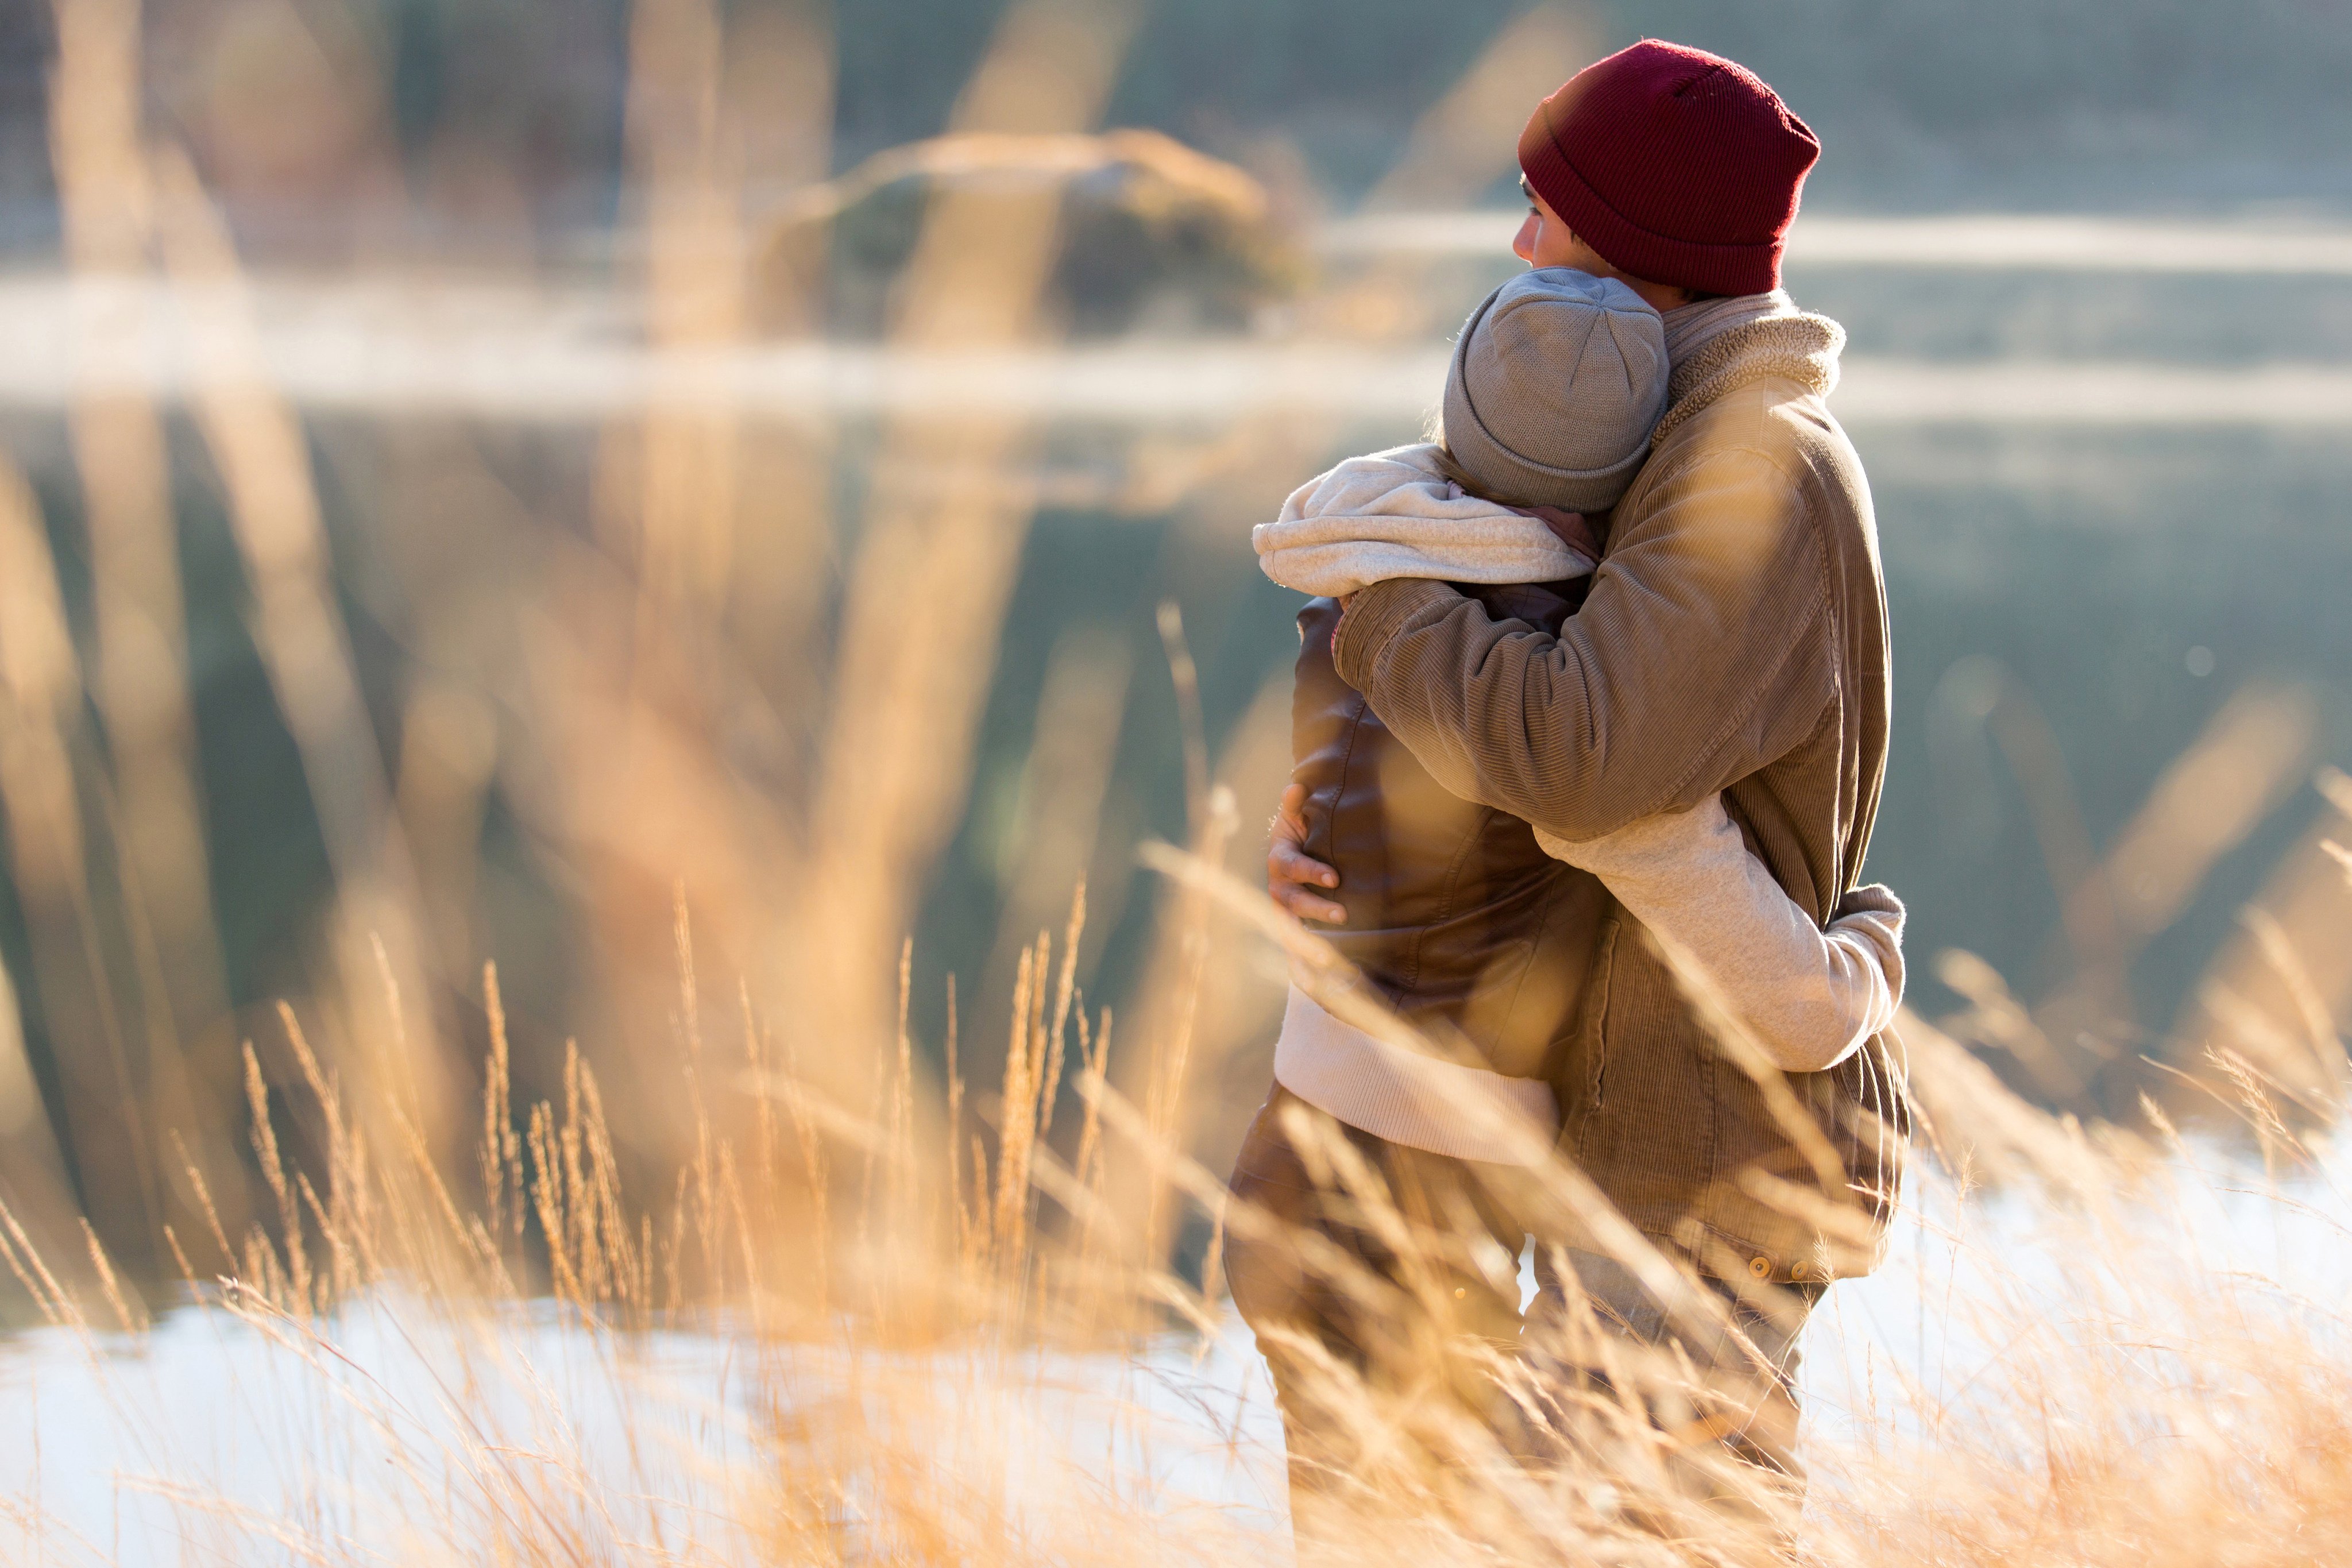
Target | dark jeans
(1413,1328)
(1327,1291)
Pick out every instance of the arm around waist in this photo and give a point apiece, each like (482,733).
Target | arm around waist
(1809,997)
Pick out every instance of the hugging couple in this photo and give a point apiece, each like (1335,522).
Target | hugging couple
(1590,723)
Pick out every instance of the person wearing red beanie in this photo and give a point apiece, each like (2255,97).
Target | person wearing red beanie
(1676,166)
(1733,639)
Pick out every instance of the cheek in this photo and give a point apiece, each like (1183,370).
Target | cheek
(1556,245)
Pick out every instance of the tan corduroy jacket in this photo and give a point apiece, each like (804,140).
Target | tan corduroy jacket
(1733,639)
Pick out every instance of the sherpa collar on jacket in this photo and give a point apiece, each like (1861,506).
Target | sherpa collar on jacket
(1802,348)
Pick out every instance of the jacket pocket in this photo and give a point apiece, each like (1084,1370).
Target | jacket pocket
(1499,1013)
(1595,1030)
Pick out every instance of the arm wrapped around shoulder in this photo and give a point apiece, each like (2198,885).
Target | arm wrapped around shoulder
(1809,997)
(1703,654)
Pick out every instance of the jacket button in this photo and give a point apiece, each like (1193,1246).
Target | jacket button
(1760,1267)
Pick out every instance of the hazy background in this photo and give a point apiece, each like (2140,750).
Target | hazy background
(2103,408)
(1923,106)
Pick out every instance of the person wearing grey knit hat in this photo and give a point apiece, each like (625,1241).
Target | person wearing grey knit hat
(1554,387)
(1556,381)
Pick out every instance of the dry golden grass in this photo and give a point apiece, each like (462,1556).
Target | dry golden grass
(768,1279)
(934,1332)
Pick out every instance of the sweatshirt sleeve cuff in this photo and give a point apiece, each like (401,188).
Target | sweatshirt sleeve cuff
(1874,898)
(1377,614)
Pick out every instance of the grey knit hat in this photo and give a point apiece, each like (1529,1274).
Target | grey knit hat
(1557,380)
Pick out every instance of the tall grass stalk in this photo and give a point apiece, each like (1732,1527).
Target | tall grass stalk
(746,1267)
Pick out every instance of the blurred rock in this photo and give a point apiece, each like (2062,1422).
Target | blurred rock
(1155,236)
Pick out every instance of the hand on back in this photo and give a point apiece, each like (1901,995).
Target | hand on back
(1291,874)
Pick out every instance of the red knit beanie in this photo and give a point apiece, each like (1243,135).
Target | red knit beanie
(1676,165)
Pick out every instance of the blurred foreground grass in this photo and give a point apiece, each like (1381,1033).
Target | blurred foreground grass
(743,1238)
(849,1335)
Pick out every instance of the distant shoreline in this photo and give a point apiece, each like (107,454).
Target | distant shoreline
(393,345)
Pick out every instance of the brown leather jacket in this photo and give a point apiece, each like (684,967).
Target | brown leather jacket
(1733,639)
(1454,913)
